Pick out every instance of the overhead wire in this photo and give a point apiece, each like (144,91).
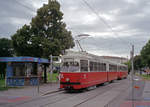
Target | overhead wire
(76,31)
(106,24)
(101,19)
(25,6)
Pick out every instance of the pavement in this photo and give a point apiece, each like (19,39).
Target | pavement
(119,96)
(15,95)
(141,95)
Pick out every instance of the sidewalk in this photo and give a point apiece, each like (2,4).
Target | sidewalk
(140,100)
(146,92)
(27,92)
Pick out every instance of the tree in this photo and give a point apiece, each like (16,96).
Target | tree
(24,44)
(128,63)
(145,54)
(46,34)
(6,50)
(138,62)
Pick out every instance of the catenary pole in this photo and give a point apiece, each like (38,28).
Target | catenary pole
(132,75)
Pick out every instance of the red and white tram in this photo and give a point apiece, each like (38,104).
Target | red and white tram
(83,70)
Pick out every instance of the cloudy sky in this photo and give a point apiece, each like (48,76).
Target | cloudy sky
(129,20)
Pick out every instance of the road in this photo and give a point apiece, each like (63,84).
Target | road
(109,93)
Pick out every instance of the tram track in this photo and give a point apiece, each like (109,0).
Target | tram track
(62,97)
(90,98)
(93,97)
(66,97)
(86,94)
(44,96)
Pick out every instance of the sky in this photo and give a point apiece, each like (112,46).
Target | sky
(113,25)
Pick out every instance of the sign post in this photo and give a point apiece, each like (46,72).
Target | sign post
(51,73)
(132,74)
(38,77)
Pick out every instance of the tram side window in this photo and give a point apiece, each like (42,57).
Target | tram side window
(119,68)
(101,67)
(84,65)
(91,66)
(98,67)
(126,68)
(112,67)
(95,66)
(115,67)
(104,67)
(70,67)
(123,68)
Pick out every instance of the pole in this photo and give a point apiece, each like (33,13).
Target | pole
(38,75)
(132,74)
(45,74)
(38,85)
(51,68)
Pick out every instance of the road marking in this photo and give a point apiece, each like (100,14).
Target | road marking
(136,103)
(13,99)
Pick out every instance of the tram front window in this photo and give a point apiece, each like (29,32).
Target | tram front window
(70,67)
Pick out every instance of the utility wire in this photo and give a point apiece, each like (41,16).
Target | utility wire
(101,19)
(27,7)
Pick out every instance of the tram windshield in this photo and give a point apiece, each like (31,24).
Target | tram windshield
(70,67)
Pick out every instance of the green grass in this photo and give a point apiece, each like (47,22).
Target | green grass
(145,76)
(2,85)
(54,77)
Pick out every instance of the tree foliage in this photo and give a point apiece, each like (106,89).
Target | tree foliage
(138,62)
(6,49)
(128,63)
(46,34)
(145,54)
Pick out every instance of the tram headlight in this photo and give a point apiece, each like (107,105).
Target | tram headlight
(84,76)
(67,79)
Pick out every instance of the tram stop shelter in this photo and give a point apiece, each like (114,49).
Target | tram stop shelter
(22,71)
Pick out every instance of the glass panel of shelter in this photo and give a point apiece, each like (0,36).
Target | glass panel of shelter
(24,69)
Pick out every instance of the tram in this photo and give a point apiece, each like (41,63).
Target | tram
(82,70)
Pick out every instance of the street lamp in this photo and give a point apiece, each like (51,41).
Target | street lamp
(78,40)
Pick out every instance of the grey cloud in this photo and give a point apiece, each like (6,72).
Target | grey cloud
(132,15)
(115,46)
(11,9)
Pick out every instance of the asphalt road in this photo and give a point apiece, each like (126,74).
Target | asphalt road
(110,93)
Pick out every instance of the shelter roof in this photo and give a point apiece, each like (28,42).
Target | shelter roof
(23,59)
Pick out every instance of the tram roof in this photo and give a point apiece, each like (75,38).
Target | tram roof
(82,55)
